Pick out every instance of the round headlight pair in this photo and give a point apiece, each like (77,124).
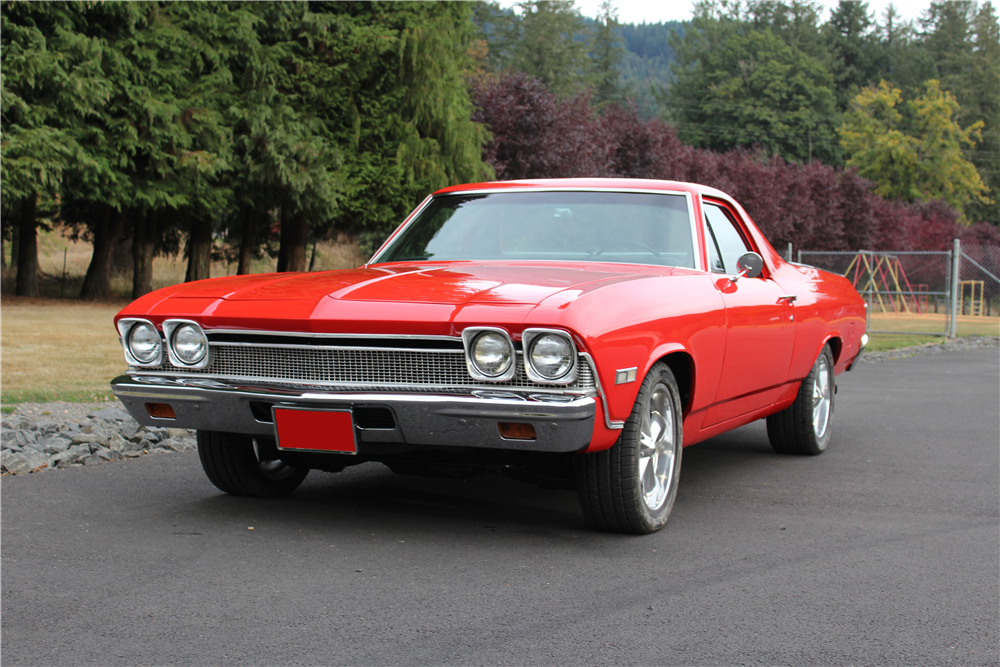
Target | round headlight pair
(189,344)
(551,356)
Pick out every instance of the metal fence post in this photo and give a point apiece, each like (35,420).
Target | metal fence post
(956,258)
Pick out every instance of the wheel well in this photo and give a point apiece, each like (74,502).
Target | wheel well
(836,345)
(682,366)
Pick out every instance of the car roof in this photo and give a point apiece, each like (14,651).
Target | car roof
(587,184)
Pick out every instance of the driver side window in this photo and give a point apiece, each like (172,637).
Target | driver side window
(724,239)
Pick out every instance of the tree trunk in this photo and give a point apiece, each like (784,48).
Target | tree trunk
(15,236)
(107,233)
(143,244)
(292,248)
(199,251)
(312,256)
(248,241)
(27,250)
(121,256)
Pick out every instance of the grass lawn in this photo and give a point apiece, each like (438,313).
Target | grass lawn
(932,323)
(58,350)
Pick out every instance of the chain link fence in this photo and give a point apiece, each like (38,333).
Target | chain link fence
(912,292)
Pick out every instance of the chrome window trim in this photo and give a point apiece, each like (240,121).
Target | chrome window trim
(124,327)
(399,230)
(685,193)
(468,335)
(743,220)
(169,327)
(528,337)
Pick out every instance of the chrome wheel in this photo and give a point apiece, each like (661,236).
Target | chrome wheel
(805,426)
(658,447)
(822,397)
(631,487)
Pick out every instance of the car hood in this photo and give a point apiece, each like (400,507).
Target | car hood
(381,299)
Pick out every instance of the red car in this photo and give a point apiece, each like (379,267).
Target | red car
(569,332)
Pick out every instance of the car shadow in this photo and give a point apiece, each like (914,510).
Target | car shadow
(371,494)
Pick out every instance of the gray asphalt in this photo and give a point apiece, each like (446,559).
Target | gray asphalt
(884,550)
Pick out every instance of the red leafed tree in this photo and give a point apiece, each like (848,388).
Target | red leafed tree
(535,135)
(813,206)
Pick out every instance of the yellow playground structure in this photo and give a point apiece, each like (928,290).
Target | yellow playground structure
(882,277)
(974,290)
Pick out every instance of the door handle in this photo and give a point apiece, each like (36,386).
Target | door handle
(788,297)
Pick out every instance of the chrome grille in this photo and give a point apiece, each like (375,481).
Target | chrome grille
(354,367)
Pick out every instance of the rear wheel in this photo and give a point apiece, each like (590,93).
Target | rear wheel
(231,462)
(804,427)
(631,487)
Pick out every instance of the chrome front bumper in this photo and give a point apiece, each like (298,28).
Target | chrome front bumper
(565,424)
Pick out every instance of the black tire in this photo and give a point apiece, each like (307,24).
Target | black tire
(804,427)
(617,491)
(231,464)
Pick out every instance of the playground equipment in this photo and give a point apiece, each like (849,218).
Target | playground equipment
(882,277)
(975,292)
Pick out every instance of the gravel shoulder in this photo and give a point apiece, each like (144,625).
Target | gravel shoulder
(47,436)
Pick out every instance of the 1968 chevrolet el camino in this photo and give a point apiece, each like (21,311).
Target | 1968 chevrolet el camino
(571,332)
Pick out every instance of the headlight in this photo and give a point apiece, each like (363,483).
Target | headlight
(551,356)
(189,344)
(144,343)
(489,353)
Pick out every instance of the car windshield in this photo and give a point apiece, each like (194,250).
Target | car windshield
(636,228)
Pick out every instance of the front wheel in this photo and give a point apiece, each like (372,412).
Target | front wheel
(631,487)
(231,462)
(804,427)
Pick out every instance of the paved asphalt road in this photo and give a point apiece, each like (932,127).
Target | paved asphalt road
(884,550)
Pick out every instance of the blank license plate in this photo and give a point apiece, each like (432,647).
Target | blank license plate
(315,430)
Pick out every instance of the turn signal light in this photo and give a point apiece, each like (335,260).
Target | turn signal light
(517,431)
(161,411)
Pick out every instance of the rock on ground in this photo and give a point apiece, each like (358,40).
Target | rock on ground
(46,436)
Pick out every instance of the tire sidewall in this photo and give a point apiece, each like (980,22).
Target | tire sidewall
(629,445)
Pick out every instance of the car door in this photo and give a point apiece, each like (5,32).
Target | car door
(760,333)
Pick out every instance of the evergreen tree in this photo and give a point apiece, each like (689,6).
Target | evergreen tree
(552,46)
(983,104)
(49,82)
(607,53)
(856,53)
(735,86)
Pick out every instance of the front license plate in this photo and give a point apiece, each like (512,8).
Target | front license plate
(315,430)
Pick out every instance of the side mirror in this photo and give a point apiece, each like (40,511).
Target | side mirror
(750,265)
